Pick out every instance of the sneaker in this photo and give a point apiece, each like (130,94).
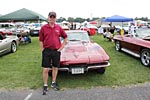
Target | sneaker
(45,90)
(55,86)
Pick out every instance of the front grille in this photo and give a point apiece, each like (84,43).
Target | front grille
(74,65)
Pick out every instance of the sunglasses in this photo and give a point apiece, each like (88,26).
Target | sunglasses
(52,16)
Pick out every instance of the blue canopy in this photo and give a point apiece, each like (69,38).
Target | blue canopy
(117,18)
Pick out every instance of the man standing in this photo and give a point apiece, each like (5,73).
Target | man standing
(51,47)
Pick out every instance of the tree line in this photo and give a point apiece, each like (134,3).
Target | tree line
(80,20)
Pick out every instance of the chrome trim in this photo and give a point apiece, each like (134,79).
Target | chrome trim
(89,67)
(130,52)
(3,50)
(61,69)
(97,66)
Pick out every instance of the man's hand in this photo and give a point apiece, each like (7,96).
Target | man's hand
(41,45)
(63,44)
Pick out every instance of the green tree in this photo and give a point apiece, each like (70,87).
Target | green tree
(79,19)
(61,19)
(95,18)
(70,19)
(142,18)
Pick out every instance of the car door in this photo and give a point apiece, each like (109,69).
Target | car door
(4,44)
(130,43)
(127,42)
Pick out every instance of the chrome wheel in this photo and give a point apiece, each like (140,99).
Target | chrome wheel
(13,47)
(145,57)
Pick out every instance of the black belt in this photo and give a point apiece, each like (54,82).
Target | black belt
(52,49)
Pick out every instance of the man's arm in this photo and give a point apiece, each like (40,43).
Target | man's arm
(41,45)
(63,44)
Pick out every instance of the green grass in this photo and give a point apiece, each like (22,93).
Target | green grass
(23,70)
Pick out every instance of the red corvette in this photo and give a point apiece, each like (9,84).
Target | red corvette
(80,54)
(138,45)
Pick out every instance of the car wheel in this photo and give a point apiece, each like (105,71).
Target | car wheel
(13,47)
(101,70)
(117,46)
(145,57)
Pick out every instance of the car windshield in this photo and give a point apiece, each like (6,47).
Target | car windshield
(143,33)
(78,36)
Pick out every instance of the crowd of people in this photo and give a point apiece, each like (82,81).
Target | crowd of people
(108,32)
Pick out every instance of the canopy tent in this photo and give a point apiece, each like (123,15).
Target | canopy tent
(22,15)
(117,18)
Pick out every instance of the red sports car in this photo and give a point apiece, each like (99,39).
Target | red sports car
(137,45)
(80,54)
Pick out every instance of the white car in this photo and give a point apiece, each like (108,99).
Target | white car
(35,31)
(23,29)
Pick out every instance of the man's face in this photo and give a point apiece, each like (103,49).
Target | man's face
(52,19)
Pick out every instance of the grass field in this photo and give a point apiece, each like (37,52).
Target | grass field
(23,70)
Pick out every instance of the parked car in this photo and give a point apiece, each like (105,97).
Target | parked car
(80,54)
(91,29)
(22,29)
(5,32)
(138,45)
(35,31)
(6,25)
(7,28)
(8,44)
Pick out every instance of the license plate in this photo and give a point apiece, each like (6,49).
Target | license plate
(77,70)
(35,32)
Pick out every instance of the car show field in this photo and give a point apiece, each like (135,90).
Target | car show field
(22,69)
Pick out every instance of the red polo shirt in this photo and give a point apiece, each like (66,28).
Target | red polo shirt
(50,36)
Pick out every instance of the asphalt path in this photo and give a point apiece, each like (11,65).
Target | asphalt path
(131,92)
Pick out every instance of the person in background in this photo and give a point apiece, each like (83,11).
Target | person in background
(108,35)
(100,30)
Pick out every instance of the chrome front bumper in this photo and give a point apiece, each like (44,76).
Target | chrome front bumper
(90,67)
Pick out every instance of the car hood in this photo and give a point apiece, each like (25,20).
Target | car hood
(83,52)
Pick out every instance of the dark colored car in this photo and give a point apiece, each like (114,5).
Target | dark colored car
(137,45)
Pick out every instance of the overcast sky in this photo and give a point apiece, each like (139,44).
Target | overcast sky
(80,8)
